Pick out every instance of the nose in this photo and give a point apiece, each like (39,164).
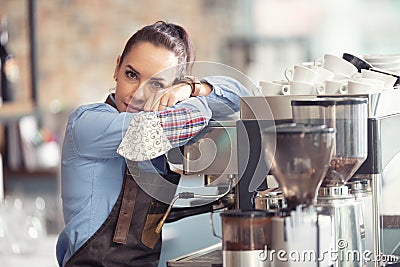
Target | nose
(138,96)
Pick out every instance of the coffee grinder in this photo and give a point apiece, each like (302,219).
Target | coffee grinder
(349,117)
(299,157)
(299,164)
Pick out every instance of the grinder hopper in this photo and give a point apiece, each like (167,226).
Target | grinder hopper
(300,159)
(348,115)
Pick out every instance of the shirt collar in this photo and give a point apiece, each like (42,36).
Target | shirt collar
(111,101)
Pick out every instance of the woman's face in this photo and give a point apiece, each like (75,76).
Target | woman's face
(139,68)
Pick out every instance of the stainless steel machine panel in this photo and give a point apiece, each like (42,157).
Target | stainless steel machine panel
(268,107)
(213,153)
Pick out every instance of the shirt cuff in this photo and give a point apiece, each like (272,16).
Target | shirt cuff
(144,138)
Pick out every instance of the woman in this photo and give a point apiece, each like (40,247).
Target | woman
(110,218)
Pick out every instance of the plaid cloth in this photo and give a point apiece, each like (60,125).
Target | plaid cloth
(180,125)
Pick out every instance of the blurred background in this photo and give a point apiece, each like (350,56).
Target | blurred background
(62,53)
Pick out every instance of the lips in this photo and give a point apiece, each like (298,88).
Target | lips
(131,108)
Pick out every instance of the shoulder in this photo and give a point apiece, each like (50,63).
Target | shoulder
(91,108)
(96,107)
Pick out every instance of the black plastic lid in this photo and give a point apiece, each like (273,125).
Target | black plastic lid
(333,101)
(246,214)
(314,102)
(297,128)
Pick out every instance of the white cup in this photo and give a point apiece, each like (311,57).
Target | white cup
(302,88)
(364,86)
(335,87)
(323,74)
(339,76)
(283,82)
(336,65)
(271,88)
(300,73)
(307,64)
(378,85)
(388,80)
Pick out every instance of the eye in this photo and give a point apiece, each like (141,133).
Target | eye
(156,85)
(131,75)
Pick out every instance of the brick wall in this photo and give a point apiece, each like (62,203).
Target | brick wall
(78,41)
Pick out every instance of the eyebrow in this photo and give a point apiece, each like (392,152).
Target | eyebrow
(133,69)
(138,73)
(157,79)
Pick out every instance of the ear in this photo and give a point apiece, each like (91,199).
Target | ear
(116,68)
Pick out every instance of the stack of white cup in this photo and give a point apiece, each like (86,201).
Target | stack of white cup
(347,79)
(328,75)
(305,80)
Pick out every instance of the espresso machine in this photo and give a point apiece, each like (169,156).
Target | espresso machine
(248,185)
(251,236)
(349,117)
(299,155)
(356,195)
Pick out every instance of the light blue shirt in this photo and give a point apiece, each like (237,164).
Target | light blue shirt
(91,170)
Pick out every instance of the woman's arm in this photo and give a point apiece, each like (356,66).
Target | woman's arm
(224,99)
(97,130)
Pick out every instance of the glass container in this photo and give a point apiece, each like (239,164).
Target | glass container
(299,157)
(349,117)
(245,230)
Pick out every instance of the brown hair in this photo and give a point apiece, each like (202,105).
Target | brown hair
(167,35)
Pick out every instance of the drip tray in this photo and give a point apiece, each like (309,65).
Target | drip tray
(207,257)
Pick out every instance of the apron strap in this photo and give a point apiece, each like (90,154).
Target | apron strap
(126,211)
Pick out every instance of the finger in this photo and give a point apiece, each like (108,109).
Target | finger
(163,102)
(170,97)
(158,103)
(160,100)
(148,106)
(154,105)
(172,100)
(162,107)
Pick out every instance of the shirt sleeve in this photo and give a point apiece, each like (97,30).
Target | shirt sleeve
(224,100)
(152,134)
(96,130)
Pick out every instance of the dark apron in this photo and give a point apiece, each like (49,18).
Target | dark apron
(128,236)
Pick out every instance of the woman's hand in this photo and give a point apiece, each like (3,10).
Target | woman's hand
(170,97)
